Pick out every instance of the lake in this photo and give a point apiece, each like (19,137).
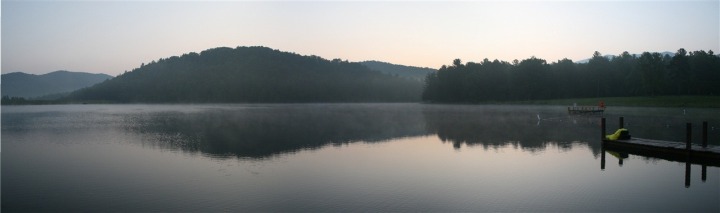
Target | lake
(345,157)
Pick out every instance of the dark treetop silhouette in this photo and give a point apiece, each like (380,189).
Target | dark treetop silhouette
(650,74)
(251,74)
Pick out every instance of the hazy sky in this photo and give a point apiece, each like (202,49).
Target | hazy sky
(114,36)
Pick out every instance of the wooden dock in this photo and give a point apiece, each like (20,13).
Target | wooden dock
(670,150)
(584,110)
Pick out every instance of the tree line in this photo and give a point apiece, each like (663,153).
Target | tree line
(251,75)
(626,75)
(14,100)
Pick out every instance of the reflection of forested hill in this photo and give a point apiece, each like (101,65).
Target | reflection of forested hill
(261,131)
(265,131)
(494,126)
(251,74)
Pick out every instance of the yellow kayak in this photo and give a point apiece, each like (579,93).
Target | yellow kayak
(619,135)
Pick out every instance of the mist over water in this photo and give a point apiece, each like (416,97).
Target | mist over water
(341,157)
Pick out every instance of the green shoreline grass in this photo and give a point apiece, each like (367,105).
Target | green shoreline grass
(657,101)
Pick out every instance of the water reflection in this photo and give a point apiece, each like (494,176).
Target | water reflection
(262,131)
(529,128)
(230,158)
(621,154)
(265,131)
(259,132)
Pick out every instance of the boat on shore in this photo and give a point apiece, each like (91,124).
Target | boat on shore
(591,110)
(587,110)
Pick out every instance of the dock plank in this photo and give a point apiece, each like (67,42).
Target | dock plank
(670,145)
(670,150)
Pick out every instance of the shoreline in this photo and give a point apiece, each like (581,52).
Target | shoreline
(644,101)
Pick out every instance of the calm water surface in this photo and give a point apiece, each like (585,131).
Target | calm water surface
(343,157)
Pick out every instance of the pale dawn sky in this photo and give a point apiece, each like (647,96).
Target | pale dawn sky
(114,36)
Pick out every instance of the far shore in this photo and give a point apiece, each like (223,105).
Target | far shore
(648,101)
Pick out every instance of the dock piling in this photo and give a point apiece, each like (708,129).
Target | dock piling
(602,128)
(688,135)
(687,174)
(622,122)
(602,157)
(704,134)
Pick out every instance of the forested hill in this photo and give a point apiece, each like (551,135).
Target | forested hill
(25,85)
(248,75)
(650,74)
(410,72)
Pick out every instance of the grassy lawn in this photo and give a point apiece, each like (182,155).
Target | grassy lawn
(658,101)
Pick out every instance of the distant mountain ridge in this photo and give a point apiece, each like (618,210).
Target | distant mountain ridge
(610,57)
(19,84)
(411,72)
(251,75)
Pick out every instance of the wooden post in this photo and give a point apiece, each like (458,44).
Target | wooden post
(703,176)
(704,135)
(602,156)
(602,128)
(687,174)
(688,135)
(622,122)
